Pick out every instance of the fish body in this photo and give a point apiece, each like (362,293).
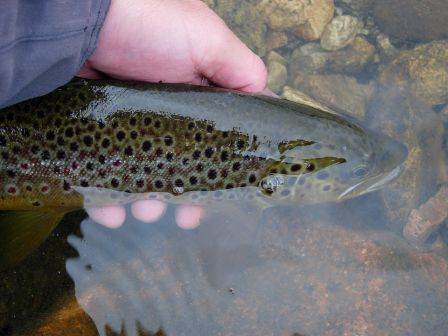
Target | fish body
(191,142)
(93,143)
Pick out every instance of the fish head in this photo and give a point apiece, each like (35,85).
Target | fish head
(377,167)
(346,168)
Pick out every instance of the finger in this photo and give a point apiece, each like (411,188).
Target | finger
(269,93)
(110,216)
(148,211)
(89,73)
(188,217)
(233,65)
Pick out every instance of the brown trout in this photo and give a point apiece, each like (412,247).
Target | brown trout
(190,144)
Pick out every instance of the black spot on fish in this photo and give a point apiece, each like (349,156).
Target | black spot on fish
(198,137)
(114,183)
(209,152)
(160,165)
(225,134)
(212,174)
(179,183)
(185,161)
(139,183)
(209,128)
(200,167)
(236,166)
(128,151)
(2,140)
(240,144)
(66,186)
(147,170)
(169,156)
(105,143)
(191,125)
(102,159)
(224,156)
(159,152)
(252,178)
(84,183)
(296,167)
(310,167)
(11,173)
(121,135)
(45,155)
(146,145)
(193,180)
(69,132)
(5,156)
(158,184)
(74,146)
(168,140)
(60,155)
(132,121)
(224,173)
(60,141)
(34,149)
(196,154)
(157,124)
(89,166)
(147,121)
(229,186)
(134,135)
(88,141)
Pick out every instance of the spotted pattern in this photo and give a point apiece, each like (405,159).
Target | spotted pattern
(52,145)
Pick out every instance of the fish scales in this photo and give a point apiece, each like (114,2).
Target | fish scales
(141,138)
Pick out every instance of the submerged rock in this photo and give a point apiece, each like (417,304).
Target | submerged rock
(340,93)
(352,60)
(409,87)
(245,21)
(304,18)
(413,20)
(340,32)
(277,72)
(428,217)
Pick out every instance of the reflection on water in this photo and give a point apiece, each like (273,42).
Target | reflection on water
(374,265)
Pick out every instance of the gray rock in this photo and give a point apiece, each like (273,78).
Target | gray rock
(340,32)
(277,76)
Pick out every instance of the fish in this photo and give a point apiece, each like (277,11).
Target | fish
(96,142)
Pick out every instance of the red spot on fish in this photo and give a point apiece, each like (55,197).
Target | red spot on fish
(11,190)
(99,186)
(44,189)
(66,171)
(116,163)
(75,165)
(24,165)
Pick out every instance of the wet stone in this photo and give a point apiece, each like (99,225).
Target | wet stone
(303,18)
(340,32)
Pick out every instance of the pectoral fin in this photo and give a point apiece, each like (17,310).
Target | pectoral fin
(21,232)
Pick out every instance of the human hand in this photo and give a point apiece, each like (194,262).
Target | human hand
(176,41)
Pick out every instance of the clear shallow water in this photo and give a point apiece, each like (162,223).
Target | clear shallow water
(315,270)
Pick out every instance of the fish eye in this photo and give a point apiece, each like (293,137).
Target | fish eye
(360,171)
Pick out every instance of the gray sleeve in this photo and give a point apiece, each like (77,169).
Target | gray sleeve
(44,43)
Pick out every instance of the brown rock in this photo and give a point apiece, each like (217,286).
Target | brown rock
(427,218)
(276,39)
(304,18)
(413,20)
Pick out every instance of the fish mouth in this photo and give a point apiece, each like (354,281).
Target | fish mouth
(372,184)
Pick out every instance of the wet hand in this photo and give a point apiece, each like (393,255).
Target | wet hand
(175,41)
